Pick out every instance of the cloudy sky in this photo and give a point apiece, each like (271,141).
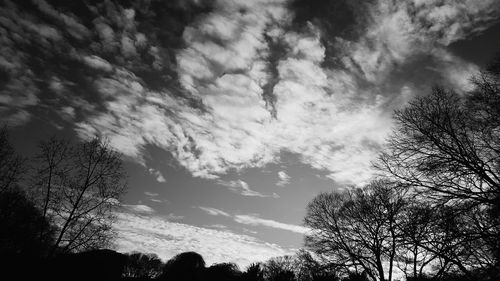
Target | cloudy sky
(231,115)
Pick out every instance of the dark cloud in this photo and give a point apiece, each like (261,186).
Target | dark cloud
(481,48)
(335,19)
(54,51)
(278,50)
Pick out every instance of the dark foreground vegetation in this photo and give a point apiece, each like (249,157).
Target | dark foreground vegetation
(432,214)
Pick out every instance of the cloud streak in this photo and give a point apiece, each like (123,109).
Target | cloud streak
(241,187)
(214,211)
(255,221)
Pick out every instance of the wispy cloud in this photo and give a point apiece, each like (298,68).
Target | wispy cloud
(241,187)
(256,221)
(284,178)
(253,220)
(141,209)
(155,197)
(158,175)
(214,211)
(151,194)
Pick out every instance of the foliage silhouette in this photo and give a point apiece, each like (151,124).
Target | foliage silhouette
(11,165)
(140,265)
(20,243)
(254,272)
(188,266)
(91,265)
(222,272)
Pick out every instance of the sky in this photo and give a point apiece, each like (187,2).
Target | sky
(231,115)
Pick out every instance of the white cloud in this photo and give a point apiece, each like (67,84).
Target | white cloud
(158,175)
(214,211)
(97,63)
(173,217)
(323,115)
(242,188)
(284,178)
(256,221)
(153,234)
(253,220)
(73,26)
(141,209)
(152,194)
(402,30)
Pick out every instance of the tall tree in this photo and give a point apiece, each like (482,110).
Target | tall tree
(80,185)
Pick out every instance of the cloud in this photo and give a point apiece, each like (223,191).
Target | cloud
(232,86)
(256,221)
(158,175)
(214,211)
(154,234)
(242,188)
(152,194)
(141,209)
(72,25)
(173,217)
(253,220)
(98,63)
(401,31)
(321,114)
(284,178)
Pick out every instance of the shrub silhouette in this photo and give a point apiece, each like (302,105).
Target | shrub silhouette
(101,264)
(140,265)
(187,266)
(20,222)
(222,272)
(20,239)
(254,272)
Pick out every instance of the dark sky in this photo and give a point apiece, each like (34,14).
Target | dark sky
(231,115)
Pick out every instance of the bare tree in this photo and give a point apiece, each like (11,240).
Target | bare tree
(357,229)
(11,164)
(438,148)
(80,186)
(447,148)
(53,162)
(420,231)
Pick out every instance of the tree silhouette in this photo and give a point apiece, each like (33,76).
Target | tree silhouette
(140,265)
(100,264)
(11,165)
(222,272)
(358,228)
(20,243)
(446,146)
(420,230)
(254,272)
(188,266)
(20,221)
(79,186)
